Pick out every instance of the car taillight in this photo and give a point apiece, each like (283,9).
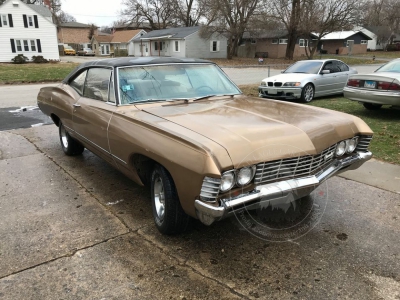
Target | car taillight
(383,85)
(353,82)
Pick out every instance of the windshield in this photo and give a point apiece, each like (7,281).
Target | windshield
(305,66)
(173,81)
(68,47)
(393,66)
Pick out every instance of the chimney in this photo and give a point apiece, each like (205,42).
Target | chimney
(47,3)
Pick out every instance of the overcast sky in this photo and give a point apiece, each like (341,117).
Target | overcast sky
(99,12)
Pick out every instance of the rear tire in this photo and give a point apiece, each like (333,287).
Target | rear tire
(372,106)
(168,214)
(69,145)
(307,93)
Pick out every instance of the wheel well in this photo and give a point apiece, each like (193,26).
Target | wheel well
(143,166)
(55,119)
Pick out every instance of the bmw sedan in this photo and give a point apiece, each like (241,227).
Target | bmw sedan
(307,79)
(376,89)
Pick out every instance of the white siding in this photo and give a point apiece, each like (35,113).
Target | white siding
(197,47)
(47,33)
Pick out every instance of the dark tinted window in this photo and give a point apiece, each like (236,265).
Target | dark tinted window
(331,66)
(97,83)
(78,82)
(342,66)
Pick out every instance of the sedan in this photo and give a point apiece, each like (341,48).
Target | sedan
(307,79)
(86,52)
(184,129)
(376,89)
(68,50)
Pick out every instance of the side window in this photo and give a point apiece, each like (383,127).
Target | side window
(97,83)
(78,82)
(332,67)
(343,67)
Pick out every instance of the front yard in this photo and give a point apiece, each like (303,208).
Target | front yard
(384,122)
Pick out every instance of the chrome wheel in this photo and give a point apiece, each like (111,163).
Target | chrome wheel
(308,93)
(159,198)
(64,137)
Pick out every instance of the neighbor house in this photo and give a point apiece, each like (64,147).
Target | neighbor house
(344,42)
(119,41)
(26,29)
(380,36)
(180,42)
(75,33)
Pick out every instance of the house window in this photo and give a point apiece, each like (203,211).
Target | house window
(176,46)
(283,41)
(253,41)
(156,45)
(274,41)
(303,43)
(26,46)
(214,46)
(364,42)
(33,45)
(19,46)
(30,21)
(348,42)
(3,19)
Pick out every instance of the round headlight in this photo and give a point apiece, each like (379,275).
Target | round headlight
(351,145)
(245,175)
(340,148)
(227,181)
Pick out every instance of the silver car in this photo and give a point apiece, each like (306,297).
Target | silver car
(376,89)
(307,79)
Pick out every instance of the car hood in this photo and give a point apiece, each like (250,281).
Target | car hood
(254,130)
(289,77)
(387,76)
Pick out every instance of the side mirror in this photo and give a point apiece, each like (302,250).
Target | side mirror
(325,72)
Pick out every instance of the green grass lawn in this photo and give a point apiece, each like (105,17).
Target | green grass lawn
(383,54)
(27,73)
(385,123)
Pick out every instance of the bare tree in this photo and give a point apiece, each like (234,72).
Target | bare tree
(188,12)
(230,17)
(63,17)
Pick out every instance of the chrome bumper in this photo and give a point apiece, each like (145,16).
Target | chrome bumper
(281,191)
(372,96)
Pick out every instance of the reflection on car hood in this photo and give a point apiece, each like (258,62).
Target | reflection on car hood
(377,75)
(289,77)
(260,130)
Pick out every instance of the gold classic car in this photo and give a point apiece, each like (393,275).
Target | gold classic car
(68,50)
(183,128)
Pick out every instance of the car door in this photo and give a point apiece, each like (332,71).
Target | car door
(342,75)
(326,83)
(93,111)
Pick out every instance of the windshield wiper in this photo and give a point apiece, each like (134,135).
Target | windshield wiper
(212,95)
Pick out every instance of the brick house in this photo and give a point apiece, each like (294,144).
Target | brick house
(75,33)
(119,40)
(344,42)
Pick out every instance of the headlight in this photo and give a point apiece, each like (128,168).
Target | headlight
(340,148)
(227,181)
(263,83)
(292,84)
(351,144)
(245,175)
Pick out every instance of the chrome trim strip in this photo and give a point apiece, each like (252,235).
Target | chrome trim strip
(101,148)
(119,159)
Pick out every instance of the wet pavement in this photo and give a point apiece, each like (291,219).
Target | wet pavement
(75,228)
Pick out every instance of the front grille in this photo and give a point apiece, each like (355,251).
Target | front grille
(277,84)
(363,143)
(210,189)
(270,83)
(293,167)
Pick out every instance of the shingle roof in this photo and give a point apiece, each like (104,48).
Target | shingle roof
(76,25)
(124,36)
(41,10)
(178,33)
(342,35)
(103,38)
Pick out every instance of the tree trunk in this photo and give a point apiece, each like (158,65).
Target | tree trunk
(292,28)
(292,39)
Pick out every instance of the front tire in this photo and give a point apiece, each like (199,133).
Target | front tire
(307,93)
(372,106)
(69,145)
(168,214)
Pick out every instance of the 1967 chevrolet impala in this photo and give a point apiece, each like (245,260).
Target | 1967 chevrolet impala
(206,151)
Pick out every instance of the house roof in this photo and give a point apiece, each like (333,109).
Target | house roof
(177,33)
(41,10)
(342,35)
(379,30)
(75,25)
(269,34)
(124,36)
(103,38)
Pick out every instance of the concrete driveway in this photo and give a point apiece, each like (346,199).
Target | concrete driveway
(75,228)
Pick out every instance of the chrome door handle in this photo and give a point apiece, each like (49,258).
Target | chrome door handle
(76,105)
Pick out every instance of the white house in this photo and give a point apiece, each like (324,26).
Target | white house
(180,42)
(380,36)
(26,29)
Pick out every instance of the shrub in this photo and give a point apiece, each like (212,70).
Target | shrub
(39,59)
(20,59)
(322,51)
(393,47)
(120,52)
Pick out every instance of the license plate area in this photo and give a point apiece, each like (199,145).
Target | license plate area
(370,84)
(273,91)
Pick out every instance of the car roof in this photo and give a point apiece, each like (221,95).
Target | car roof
(134,61)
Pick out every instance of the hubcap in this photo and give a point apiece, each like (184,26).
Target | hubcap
(64,138)
(159,198)
(308,93)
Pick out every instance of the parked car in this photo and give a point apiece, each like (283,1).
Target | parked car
(307,79)
(68,50)
(376,89)
(86,52)
(183,128)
